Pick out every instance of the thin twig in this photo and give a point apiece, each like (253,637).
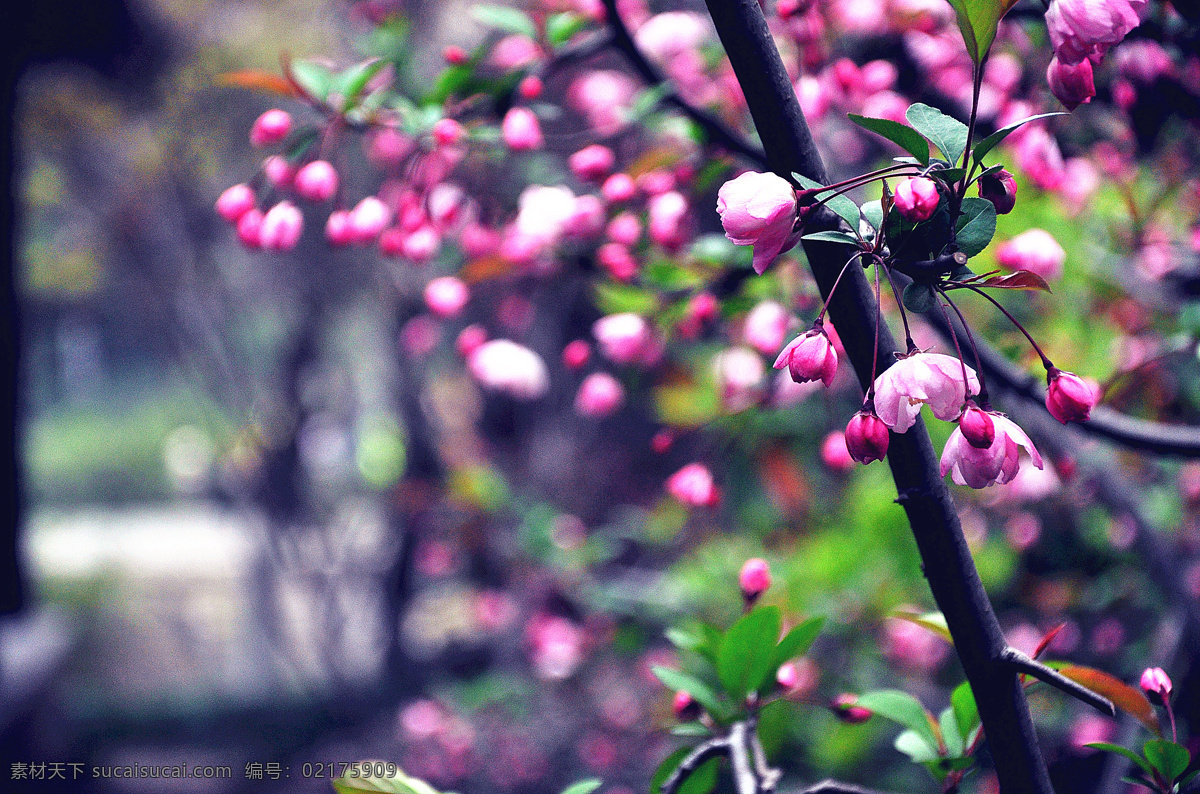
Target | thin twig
(1048,675)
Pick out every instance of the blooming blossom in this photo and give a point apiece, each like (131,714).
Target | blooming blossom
(693,485)
(998,463)
(1088,28)
(760,210)
(931,378)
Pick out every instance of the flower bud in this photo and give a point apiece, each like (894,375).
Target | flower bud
(448,132)
(235,202)
(760,210)
(270,128)
(599,395)
(317,181)
(1157,685)
(337,228)
(693,486)
(531,87)
(754,579)
(977,427)
(685,707)
(916,198)
(834,452)
(469,339)
(866,437)
(446,296)
(278,170)
(576,353)
(592,163)
(618,188)
(281,227)
(844,708)
(1001,189)
(521,130)
(368,218)
(1069,397)
(809,357)
(455,55)
(1073,84)
(248,227)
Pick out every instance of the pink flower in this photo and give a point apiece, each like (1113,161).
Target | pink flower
(754,579)
(684,706)
(739,372)
(446,296)
(1073,84)
(448,132)
(919,378)
(624,338)
(576,353)
(845,709)
(281,227)
(1034,250)
(766,326)
(1156,684)
(625,229)
(866,437)
(1087,28)
(503,365)
(809,357)
(592,163)
(1069,398)
(977,427)
(599,395)
(368,218)
(668,220)
(760,210)
(521,130)
(693,486)
(278,170)
(916,198)
(618,261)
(515,51)
(248,227)
(235,202)
(1001,189)
(317,181)
(337,228)
(604,97)
(270,128)
(999,463)
(618,188)
(834,452)
(469,339)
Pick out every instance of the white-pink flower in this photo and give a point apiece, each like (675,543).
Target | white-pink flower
(503,365)
(599,395)
(1034,250)
(760,210)
(624,338)
(693,485)
(999,463)
(919,378)
(766,326)
(1087,28)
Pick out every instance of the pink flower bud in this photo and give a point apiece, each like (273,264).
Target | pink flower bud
(531,87)
(587,218)
(387,147)
(592,163)
(368,218)
(521,130)
(469,339)
(576,354)
(662,441)
(337,228)
(281,227)
(448,132)
(278,170)
(599,395)
(505,366)
(693,486)
(421,245)
(916,198)
(248,227)
(1072,84)
(235,202)
(1156,684)
(454,55)
(625,229)
(618,261)
(866,437)
(844,709)
(977,427)
(270,128)
(755,578)
(834,452)
(446,296)
(809,357)
(685,707)
(618,188)
(760,210)
(624,338)
(1034,250)
(668,220)
(317,181)
(1001,189)
(655,183)
(1069,398)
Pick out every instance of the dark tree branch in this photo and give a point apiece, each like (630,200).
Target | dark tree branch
(947,560)
(1048,675)
(717,746)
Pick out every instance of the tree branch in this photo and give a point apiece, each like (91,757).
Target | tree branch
(1048,675)
(947,560)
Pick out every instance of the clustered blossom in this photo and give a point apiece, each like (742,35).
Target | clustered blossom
(922,378)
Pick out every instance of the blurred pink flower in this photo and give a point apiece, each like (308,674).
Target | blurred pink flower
(623,338)
(766,326)
(693,486)
(521,130)
(446,296)
(1073,84)
(270,128)
(599,395)
(505,366)
(1034,250)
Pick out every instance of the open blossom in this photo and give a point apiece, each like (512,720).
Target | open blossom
(693,485)
(998,463)
(760,210)
(931,378)
(766,326)
(809,357)
(503,365)
(1088,28)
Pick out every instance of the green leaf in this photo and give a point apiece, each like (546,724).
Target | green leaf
(951,735)
(1125,751)
(840,204)
(918,298)
(313,78)
(947,133)
(584,786)
(509,20)
(832,237)
(916,747)
(977,21)
(966,714)
(561,27)
(1168,758)
(351,81)
(903,708)
(614,298)
(701,692)
(902,135)
(701,781)
(797,641)
(747,650)
(980,150)
(976,226)
(933,621)
(691,730)
(873,212)
(683,639)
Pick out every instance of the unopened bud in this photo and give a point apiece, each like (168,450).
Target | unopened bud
(1157,685)
(845,708)
(754,578)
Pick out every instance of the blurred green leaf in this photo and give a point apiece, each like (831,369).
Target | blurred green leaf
(584,786)
(504,18)
(747,651)
(351,81)
(313,78)
(702,693)
(951,735)
(561,27)
(795,643)
(903,708)
(933,621)
(916,747)
(701,781)
(399,783)
(619,298)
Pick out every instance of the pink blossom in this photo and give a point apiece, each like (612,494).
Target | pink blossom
(845,709)
(623,338)
(248,227)
(618,188)
(668,220)
(469,339)
(555,646)
(1069,398)
(1001,189)
(1087,28)
(1038,155)
(446,296)
(834,452)
(999,463)
(866,437)
(281,227)
(387,146)
(1034,250)
(625,229)
(693,486)
(797,678)
(599,395)
(576,353)
(669,35)
(1156,684)
(513,52)
(760,210)
(235,202)
(337,228)
(505,366)
(617,261)
(912,646)
(604,97)
(685,707)
(977,427)
(531,87)
(809,357)
(270,128)
(740,374)
(368,218)
(587,217)
(421,244)
(1073,84)
(592,163)
(317,181)
(918,378)
(448,132)
(755,578)
(916,198)
(657,182)
(766,326)
(278,170)
(521,130)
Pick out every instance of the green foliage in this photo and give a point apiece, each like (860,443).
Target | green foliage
(948,134)
(505,19)
(903,136)
(978,21)
(976,226)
